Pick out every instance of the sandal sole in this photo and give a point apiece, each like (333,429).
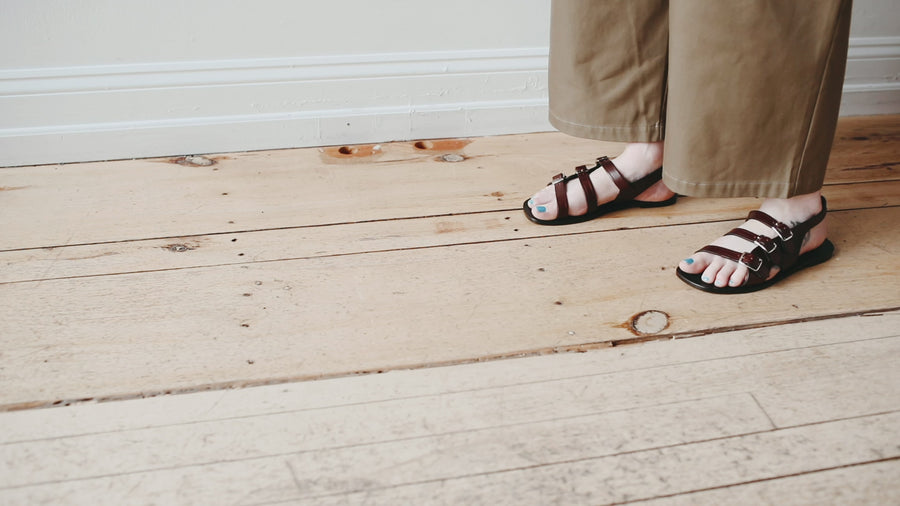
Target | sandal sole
(602,210)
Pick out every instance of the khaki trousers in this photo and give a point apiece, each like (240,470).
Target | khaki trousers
(745,93)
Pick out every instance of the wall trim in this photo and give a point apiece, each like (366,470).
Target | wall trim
(89,78)
(866,48)
(67,114)
(872,83)
(85,113)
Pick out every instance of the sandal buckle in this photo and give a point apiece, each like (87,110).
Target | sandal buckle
(783,231)
(753,262)
(766,243)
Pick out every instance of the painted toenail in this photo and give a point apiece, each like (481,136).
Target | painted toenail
(531,202)
(705,279)
(541,209)
(689,261)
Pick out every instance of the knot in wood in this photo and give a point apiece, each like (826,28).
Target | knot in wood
(649,322)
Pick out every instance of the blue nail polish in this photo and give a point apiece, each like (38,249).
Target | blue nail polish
(541,209)
(689,261)
(531,202)
(705,279)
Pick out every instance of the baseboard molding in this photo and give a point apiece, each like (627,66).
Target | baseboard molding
(72,114)
(872,83)
(129,111)
(146,139)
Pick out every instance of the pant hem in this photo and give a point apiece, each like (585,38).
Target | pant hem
(731,189)
(647,133)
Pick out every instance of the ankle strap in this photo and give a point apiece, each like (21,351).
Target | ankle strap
(786,232)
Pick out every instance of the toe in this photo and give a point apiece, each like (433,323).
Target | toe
(546,211)
(543,205)
(739,276)
(543,197)
(711,271)
(723,277)
(691,265)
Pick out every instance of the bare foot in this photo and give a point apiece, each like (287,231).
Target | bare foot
(721,272)
(635,162)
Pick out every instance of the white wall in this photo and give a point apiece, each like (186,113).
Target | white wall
(104,79)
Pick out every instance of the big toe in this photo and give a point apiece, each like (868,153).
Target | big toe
(543,205)
(692,265)
(545,211)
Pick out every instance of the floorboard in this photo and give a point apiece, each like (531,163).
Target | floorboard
(381,325)
(461,380)
(734,418)
(874,483)
(112,336)
(245,248)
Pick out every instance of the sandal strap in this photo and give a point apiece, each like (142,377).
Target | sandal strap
(584,176)
(627,190)
(756,260)
(786,232)
(781,251)
(766,243)
(562,198)
(617,178)
(783,231)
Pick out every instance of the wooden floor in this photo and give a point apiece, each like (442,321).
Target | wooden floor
(381,325)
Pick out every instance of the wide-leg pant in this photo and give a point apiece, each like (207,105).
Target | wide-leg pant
(745,93)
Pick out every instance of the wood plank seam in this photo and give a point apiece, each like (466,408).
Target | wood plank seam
(763,410)
(487,389)
(632,452)
(398,399)
(548,235)
(447,391)
(269,229)
(548,463)
(580,348)
(760,480)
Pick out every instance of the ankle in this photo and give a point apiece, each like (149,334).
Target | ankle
(797,208)
(643,157)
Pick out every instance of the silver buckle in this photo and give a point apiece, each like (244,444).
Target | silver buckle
(781,229)
(748,261)
(759,241)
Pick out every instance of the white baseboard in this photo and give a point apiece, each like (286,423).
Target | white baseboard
(872,83)
(72,114)
(130,111)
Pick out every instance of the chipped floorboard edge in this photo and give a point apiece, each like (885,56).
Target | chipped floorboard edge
(577,348)
(760,480)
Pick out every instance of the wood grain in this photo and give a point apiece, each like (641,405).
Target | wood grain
(237,284)
(226,326)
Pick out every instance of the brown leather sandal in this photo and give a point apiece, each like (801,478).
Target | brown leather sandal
(624,200)
(782,251)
